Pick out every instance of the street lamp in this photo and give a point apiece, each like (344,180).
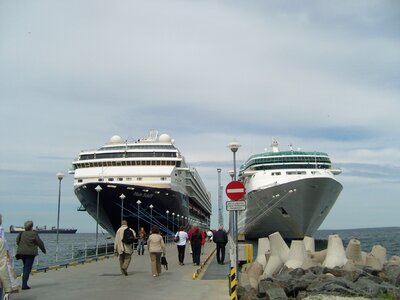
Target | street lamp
(138,213)
(230,172)
(98,190)
(234,145)
(122,197)
(151,215)
(178,220)
(167,221)
(60,177)
(173,225)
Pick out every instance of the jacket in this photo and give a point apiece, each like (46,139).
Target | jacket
(220,237)
(119,246)
(155,243)
(4,277)
(28,243)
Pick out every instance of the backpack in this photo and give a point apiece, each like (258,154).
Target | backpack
(128,237)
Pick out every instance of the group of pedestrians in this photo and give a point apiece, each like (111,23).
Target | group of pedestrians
(196,237)
(28,243)
(156,246)
(124,248)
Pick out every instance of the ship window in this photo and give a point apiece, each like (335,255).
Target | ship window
(110,179)
(128,178)
(109,163)
(87,165)
(80,180)
(100,179)
(113,163)
(163,178)
(123,163)
(148,163)
(163,162)
(178,164)
(120,179)
(153,162)
(139,179)
(118,163)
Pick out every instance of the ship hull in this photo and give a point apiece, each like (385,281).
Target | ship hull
(294,209)
(110,206)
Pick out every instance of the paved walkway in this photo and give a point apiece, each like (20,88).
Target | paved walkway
(103,280)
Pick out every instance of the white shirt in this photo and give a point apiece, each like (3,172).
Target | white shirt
(183,237)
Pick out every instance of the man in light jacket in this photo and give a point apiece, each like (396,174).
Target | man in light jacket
(4,277)
(123,250)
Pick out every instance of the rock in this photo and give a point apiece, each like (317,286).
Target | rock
(319,256)
(368,288)
(392,272)
(264,286)
(254,273)
(250,295)
(276,294)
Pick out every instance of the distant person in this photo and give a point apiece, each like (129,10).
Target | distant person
(190,232)
(221,239)
(123,248)
(4,277)
(181,244)
(141,239)
(156,247)
(28,242)
(196,242)
(209,235)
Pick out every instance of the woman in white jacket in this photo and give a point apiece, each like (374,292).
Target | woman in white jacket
(4,277)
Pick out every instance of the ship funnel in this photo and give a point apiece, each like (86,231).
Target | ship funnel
(275,145)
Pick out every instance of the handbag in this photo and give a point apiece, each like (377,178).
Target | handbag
(176,238)
(164,262)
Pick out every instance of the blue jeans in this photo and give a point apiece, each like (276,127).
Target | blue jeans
(28,263)
(140,246)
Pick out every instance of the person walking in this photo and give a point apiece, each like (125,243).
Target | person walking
(156,247)
(5,281)
(221,239)
(181,244)
(122,249)
(28,242)
(142,238)
(196,242)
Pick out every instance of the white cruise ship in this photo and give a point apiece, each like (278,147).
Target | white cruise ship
(157,185)
(287,191)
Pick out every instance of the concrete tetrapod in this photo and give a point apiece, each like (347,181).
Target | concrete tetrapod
(297,255)
(380,253)
(336,255)
(278,246)
(309,244)
(262,250)
(353,251)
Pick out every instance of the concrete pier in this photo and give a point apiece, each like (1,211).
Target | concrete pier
(102,279)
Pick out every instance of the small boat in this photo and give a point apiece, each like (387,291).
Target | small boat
(44,229)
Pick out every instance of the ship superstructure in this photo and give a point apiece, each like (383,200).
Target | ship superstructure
(287,191)
(145,181)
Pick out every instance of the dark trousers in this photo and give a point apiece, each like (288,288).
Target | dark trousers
(28,263)
(196,254)
(181,253)
(220,252)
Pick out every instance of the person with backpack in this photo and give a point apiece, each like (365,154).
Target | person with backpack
(123,246)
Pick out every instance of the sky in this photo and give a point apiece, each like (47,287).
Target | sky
(320,75)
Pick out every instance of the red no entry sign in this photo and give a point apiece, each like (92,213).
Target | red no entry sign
(235,190)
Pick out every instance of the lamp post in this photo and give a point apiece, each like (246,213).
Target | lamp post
(183,220)
(220,216)
(122,197)
(60,176)
(167,221)
(234,146)
(151,215)
(138,213)
(98,190)
(173,225)
(178,220)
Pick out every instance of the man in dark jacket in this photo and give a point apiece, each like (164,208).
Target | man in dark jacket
(221,239)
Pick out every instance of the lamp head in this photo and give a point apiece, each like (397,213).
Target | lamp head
(60,176)
(122,196)
(234,145)
(98,188)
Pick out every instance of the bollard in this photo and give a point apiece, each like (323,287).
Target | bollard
(232,284)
